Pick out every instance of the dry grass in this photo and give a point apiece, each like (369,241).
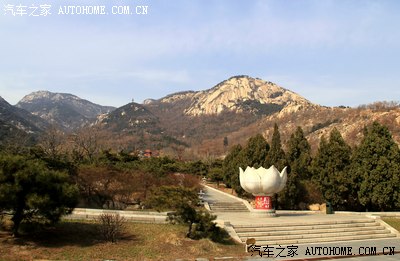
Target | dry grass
(81,241)
(394,222)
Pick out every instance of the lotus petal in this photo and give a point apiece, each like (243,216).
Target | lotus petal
(283,177)
(263,181)
(250,181)
(270,180)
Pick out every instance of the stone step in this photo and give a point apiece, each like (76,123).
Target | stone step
(325,240)
(236,207)
(228,207)
(311,231)
(299,224)
(318,235)
(227,203)
(303,227)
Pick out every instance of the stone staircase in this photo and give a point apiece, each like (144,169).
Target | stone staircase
(228,207)
(313,232)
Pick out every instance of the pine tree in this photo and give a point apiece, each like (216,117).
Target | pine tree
(276,155)
(299,154)
(28,188)
(252,155)
(299,159)
(330,170)
(230,167)
(376,166)
(255,152)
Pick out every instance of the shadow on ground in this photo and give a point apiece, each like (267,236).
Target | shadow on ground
(80,234)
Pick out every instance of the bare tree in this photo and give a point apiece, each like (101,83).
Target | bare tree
(87,142)
(52,141)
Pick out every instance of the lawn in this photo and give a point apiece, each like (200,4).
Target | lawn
(81,241)
(394,222)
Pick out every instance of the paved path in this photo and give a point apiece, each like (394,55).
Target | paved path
(304,251)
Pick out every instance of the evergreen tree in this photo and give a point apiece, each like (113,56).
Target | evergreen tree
(230,167)
(255,152)
(299,159)
(276,155)
(376,166)
(299,154)
(225,142)
(28,188)
(330,170)
(252,155)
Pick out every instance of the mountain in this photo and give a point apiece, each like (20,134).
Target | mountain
(241,94)
(188,118)
(18,124)
(62,109)
(224,108)
(242,106)
(201,123)
(134,126)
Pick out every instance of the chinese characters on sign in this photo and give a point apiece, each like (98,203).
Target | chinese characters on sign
(263,202)
(291,251)
(25,10)
(18,10)
(270,251)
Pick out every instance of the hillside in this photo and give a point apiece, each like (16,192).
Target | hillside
(189,118)
(316,122)
(134,126)
(67,111)
(240,94)
(202,123)
(18,125)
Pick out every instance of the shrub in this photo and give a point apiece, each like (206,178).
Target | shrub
(112,226)
(200,223)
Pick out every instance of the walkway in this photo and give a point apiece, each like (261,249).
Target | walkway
(308,251)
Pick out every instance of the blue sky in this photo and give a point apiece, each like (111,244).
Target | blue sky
(331,52)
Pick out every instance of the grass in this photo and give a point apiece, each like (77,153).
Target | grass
(393,222)
(81,241)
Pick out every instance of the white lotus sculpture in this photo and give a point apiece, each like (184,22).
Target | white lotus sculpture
(263,183)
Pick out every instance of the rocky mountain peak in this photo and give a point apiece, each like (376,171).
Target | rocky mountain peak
(244,93)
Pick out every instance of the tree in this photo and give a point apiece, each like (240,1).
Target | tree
(226,143)
(276,155)
(183,201)
(28,188)
(299,159)
(216,174)
(376,166)
(230,168)
(252,155)
(299,154)
(87,143)
(330,169)
(171,197)
(255,152)
(52,142)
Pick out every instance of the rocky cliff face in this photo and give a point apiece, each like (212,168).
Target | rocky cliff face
(62,109)
(241,94)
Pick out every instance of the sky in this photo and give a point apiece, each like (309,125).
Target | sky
(332,52)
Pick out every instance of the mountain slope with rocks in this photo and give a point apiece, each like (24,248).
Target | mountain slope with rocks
(241,94)
(18,124)
(62,109)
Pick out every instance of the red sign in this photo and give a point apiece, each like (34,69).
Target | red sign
(263,202)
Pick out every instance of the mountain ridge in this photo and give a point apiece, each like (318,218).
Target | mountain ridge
(62,109)
(235,109)
(235,94)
